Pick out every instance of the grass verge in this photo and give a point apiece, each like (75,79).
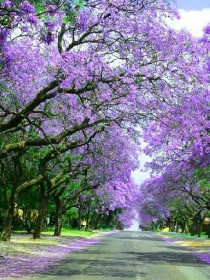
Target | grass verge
(182,235)
(24,256)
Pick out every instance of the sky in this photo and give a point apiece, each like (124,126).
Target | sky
(195,15)
(189,5)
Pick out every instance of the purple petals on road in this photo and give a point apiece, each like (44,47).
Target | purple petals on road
(204,257)
(170,240)
(202,251)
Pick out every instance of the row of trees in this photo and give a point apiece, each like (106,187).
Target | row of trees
(179,191)
(76,79)
(73,183)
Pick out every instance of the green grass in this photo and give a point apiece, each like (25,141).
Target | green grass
(182,235)
(23,243)
(67,232)
(71,232)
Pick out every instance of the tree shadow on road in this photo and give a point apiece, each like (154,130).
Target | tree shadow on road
(183,258)
(119,269)
(152,238)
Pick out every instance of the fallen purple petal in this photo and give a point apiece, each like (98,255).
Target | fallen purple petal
(42,257)
(205,257)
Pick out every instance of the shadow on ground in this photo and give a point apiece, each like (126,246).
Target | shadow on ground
(120,269)
(183,257)
(98,260)
(123,265)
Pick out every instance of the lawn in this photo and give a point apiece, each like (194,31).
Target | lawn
(183,235)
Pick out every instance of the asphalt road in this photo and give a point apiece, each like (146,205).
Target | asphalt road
(130,255)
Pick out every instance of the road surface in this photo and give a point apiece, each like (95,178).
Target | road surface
(130,255)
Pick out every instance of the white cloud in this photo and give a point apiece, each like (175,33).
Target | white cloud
(194,21)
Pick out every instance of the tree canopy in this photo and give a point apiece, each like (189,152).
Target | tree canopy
(77,81)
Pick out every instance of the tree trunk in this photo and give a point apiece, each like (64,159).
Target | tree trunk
(208,230)
(182,225)
(169,224)
(58,217)
(87,220)
(5,234)
(199,226)
(42,213)
(193,228)
(97,221)
(7,225)
(7,220)
(186,229)
(80,217)
(177,227)
(173,226)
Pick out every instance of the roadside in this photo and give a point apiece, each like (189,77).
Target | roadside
(200,246)
(24,257)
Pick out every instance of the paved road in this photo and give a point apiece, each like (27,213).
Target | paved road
(130,255)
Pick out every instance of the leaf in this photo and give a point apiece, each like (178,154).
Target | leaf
(187,43)
(80,3)
(66,20)
(39,6)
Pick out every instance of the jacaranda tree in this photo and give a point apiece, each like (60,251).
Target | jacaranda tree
(71,69)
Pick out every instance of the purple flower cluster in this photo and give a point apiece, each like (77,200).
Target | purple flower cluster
(207,29)
(27,8)
(7,4)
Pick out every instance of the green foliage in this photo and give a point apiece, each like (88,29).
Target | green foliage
(74,185)
(29,199)
(202,176)
(187,43)
(72,13)
(72,213)
(39,6)
(71,232)
(80,3)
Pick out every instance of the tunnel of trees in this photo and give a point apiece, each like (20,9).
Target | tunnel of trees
(82,85)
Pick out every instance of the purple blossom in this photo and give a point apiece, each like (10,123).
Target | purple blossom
(47,37)
(27,8)
(3,34)
(50,25)
(52,8)
(24,28)
(208,66)
(7,4)
(32,19)
(207,29)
